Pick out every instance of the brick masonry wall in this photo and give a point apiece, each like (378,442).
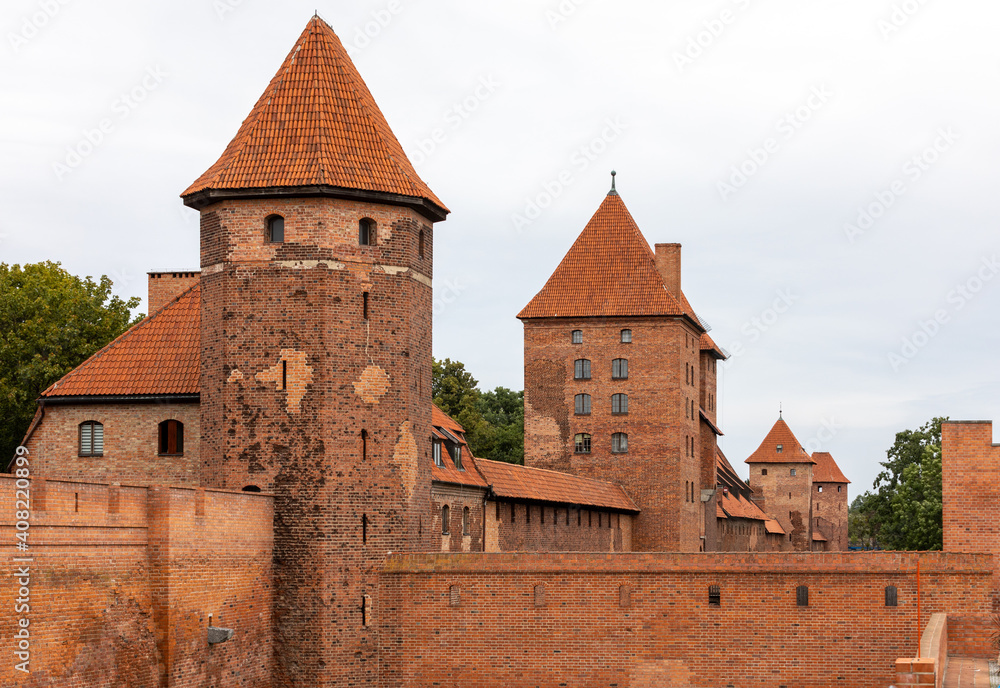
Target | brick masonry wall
(638,619)
(970,474)
(456,537)
(830,510)
(662,387)
(164,287)
(742,535)
(131,444)
(524,527)
(970,635)
(787,498)
(291,374)
(122,579)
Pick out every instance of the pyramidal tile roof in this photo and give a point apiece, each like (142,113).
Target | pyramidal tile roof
(826,469)
(159,355)
(609,271)
(316,124)
(790,450)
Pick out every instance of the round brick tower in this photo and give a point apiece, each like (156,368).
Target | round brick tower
(316,256)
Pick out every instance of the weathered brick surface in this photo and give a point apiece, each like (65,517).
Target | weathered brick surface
(454,537)
(970,635)
(525,527)
(122,579)
(787,499)
(662,458)
(131,444)
(264,303)
(584,636)
(165,286)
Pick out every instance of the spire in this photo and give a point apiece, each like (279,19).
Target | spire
(613,191)
(316,126)
(779,411)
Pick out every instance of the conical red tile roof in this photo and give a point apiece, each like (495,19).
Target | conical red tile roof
(791,450)
(609,271)
(159,355)
(316,124)
(827,470)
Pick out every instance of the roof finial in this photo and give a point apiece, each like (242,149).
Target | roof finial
(779,411)
(613,192)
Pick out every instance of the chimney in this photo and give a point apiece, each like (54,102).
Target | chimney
(668,264)
(164,287)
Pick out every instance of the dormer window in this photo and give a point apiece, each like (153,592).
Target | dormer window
(366,232)
(437,454)
(457,457)
(779,448)
(276,229)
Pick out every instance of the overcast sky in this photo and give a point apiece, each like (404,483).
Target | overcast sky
(828,166)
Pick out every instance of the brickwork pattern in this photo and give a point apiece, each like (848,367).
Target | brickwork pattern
(589,634)
(524,527)
(164,287)
(131,444)
(456,537)
(787,499)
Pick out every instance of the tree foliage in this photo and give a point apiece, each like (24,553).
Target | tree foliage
(903,511)
(493,421)
(50,322)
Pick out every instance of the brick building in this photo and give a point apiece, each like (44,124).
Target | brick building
(262,454)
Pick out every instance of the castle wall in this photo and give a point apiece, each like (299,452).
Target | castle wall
(121,580)
(589,620)
(662,424)
(787,499)
(456,537)
(131,444)
(525,527)
(829,507)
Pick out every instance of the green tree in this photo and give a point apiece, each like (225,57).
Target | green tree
(50,322)
(493,421)
(903,511)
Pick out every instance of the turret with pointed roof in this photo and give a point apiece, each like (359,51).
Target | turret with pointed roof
(617,386)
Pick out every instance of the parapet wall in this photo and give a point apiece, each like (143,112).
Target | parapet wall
(121,580)
(634,620)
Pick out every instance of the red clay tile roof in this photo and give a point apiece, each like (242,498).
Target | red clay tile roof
(448,473)
(316,124)
(734,494)
(708,344)
(791,450)
(510,481)
(826,469)
(159,355)
(708,421)
(609,271)
(818,536)
(773,527)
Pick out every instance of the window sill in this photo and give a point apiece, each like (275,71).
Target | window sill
(181,454)
(90,456)
(581,414)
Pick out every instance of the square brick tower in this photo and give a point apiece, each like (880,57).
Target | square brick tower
(830,502)
(316,259)
(613,375)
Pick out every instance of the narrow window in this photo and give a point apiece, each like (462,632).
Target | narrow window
(619,404)
(626,336)
(590,519)
(802,596)
(445,518)
(619,443)
(582,404)
(579,517)
(819,489)
(582,443)
(454,596)
(364,529)
(577,337)
(457,457)
(366,232)
(838,488)
(542,510)
(763,471)
(600,518)
(619,369)
(171,438)
(465,521)
(420,244)
(364,445)
(891,596)
(284,375)
(512,512)
(567,515)
(792,471)
(276,229)
(714,596)
(779,448)
(364,305)
(539,595)
(91,438)
(366,610)
(527,513)
(437,454)
(497,504)
(581,369)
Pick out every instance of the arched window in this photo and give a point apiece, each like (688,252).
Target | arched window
(619,369)
(891,596)
(619,443)
(465,521)
(619,404)
(582,443)
(276,229)
(366,232)
(420,244)
(577,337)
(445,519)
(171,438)
(91,438)
(251,488)
(581,369)
(582,404)
(626,336)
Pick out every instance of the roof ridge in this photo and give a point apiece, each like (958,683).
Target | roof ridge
(142,324)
